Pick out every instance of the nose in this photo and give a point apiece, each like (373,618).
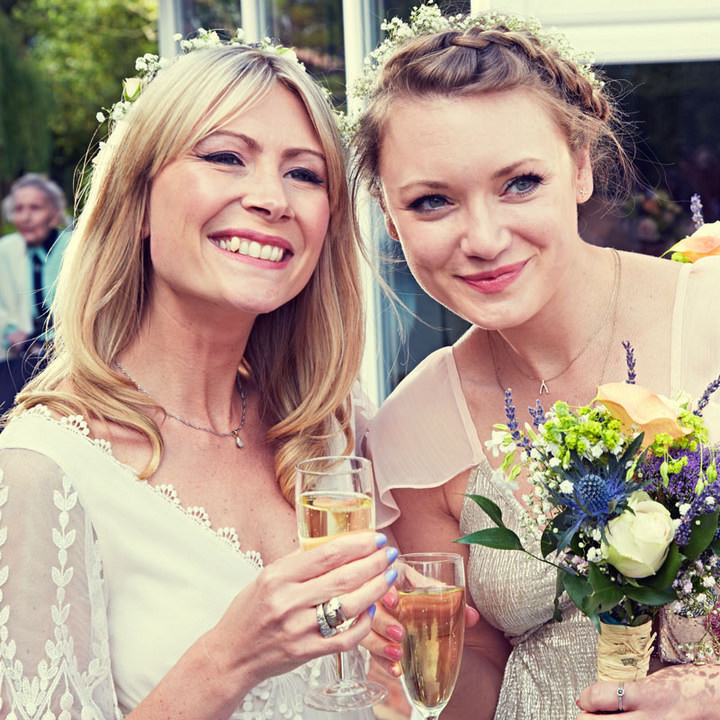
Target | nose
(485,235)
(265,194)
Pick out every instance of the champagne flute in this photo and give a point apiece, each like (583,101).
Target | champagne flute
(431,607)
(333,496)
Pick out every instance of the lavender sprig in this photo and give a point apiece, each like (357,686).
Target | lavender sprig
(705,399)
(630,362)
(537,414)
(696,209)
(512,423)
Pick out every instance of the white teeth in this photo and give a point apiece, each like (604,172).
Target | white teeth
(254,249)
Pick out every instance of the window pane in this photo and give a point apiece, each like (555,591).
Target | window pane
(674,109)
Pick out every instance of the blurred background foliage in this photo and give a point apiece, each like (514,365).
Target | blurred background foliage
(60,62)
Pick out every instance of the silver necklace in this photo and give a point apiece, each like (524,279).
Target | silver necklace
(611,311)
(233,433)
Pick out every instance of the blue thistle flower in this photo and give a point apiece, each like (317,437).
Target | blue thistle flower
(596,497)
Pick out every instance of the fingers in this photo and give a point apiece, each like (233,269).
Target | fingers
(336,553)
(606,697)
(385,641)
(471,616)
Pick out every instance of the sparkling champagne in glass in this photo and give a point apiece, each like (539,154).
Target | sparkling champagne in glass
(334,496)
(431,608)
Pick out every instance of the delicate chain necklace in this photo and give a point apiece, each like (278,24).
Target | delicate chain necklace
(611,311)
(232,433)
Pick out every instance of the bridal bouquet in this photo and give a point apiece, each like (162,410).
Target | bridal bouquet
(627,495)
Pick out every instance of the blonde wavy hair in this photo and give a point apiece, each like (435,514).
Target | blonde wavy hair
(304,357)
(452,63)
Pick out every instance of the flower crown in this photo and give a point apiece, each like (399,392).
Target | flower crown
(149,65)
(427,19)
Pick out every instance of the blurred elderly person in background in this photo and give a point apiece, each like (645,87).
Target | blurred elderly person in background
(29,262)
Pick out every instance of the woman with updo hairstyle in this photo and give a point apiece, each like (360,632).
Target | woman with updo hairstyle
(480,140)
(208,337)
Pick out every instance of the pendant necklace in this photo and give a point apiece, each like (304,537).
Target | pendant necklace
(233,433)
(610,311)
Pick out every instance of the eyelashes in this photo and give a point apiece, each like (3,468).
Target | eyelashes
(231,159)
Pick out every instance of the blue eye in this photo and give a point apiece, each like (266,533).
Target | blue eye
(305,175)
(428,203)
(224,158)
(524,184)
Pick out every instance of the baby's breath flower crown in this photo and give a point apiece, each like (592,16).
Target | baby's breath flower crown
(149,65)
(428,19)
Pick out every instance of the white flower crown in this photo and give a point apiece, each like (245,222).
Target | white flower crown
(428,19)
(149,65)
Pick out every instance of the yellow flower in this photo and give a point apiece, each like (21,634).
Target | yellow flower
(704,242)
(636,407)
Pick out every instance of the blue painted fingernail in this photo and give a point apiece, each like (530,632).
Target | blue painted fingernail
(380,540)
(371,610)
(391,576)
(392,553)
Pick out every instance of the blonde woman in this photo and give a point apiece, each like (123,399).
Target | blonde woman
(208,335)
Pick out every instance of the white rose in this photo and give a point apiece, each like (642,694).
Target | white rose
(636,542)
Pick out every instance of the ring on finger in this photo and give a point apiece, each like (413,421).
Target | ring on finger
(621,696)
(325,629)
(334,614)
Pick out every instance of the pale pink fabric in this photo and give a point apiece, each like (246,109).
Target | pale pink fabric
(423,434)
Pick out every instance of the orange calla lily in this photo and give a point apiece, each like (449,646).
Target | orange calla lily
(704,242)
(636,406)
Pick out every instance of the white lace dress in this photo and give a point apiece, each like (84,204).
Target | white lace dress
(105,581)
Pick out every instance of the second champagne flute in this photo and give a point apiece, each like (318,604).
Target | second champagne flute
(334,496)
(431,608)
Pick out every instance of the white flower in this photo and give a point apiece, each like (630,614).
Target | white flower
(594,555)
(683,509)
(566,487)
(637,542)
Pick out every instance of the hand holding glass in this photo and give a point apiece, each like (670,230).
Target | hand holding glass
(431,607)
(334,496)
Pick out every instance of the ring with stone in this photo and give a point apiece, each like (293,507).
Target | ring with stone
(334,613)
(325,629)
(621,695)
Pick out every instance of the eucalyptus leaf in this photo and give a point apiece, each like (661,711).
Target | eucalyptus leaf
(701,535)
(500,538)
(491,509)
(650,596)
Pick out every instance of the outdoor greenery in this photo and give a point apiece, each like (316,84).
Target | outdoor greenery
(60,61)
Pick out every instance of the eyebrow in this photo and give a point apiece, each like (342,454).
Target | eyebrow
(501,172)
(255,146)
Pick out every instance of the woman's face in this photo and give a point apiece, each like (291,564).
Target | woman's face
(238,223)
(33,214)
(482,193)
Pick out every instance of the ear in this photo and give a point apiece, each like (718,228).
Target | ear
(389,224)
(584,176)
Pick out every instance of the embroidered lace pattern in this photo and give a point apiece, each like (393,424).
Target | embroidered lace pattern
(59,686)
(55,660)
(78,424)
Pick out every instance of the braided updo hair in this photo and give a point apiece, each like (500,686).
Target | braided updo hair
(454,63)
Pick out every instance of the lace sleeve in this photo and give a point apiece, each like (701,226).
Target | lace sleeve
(54,651)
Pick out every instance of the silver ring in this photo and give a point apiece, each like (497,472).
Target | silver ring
(334,613)
(325,630)
(621,695)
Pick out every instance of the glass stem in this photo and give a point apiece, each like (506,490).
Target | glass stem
(341,661)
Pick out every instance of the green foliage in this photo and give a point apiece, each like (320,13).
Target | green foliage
(25,105)
(82,49)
